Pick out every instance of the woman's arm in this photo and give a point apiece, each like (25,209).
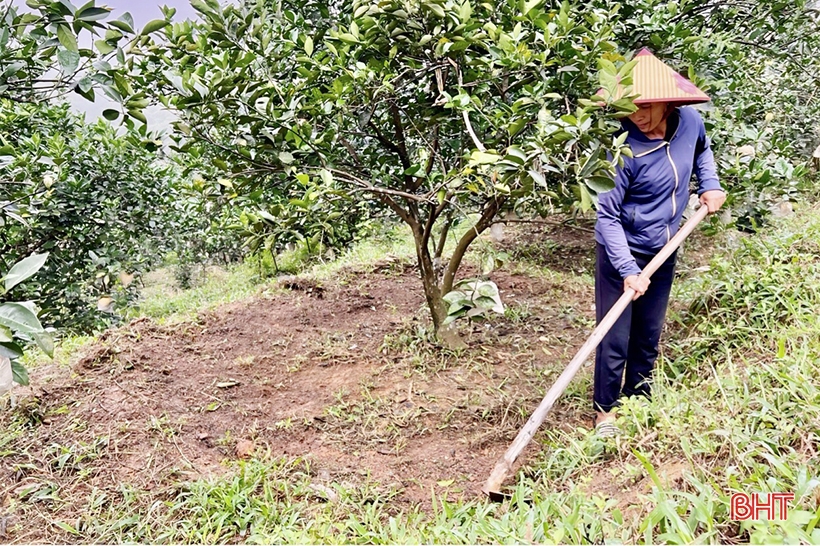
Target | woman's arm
(711,193)
(610,227)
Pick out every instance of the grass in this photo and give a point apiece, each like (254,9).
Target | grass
(395,243)
(736,404)
(280,501)
(736,408)
(162,301)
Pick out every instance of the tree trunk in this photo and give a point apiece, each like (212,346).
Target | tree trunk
(447,334)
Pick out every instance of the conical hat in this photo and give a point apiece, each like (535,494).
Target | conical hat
(654,81)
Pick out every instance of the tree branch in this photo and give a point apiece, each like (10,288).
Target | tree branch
(351,151)
(464,113)
(442,237)
(384,195)
(365,185)
(383,140)
(434,150)
(469,125)
(490,210)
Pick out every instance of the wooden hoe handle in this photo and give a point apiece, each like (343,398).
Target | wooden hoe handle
(504,466)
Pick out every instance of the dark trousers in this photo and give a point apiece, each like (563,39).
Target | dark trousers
(631,344)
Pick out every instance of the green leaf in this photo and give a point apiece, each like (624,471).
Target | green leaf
(589,165)
(453,317)
(586,199)
(485,302)
(530,5)
(457,306)
(24,269)
(201,7)
(453,296)
(516,155)
(781,347)
(45,342)
(625,105)
(67,38)
(69,60)
(5,335)
(484,158)
(607,66)
(66,527)
(93,14)
(123,25)
(20,318)
(110,114)
(436,9)
(538,178)
(10,350)
(104,47)
(309,45)
(153,26)
(19,373)
(138,115)
(138,104)
(488,289)
(600,184)
(627,68)
(85,84)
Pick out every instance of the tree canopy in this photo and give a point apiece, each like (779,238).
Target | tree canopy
(41,60)
(441,112)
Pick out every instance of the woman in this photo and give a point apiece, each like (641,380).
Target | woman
(637,218)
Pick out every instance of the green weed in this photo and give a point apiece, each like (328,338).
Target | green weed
(162,301)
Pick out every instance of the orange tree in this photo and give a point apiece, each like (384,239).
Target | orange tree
(43,57)
(441,112)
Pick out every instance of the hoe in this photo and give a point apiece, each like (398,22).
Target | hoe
(505,465)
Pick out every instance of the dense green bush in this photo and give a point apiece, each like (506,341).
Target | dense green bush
(763,281)
(101,204)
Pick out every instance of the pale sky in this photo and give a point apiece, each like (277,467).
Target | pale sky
(144,11)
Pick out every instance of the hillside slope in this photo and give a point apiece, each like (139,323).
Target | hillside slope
(319,411)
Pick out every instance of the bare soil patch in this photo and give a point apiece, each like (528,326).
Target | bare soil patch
(566,245)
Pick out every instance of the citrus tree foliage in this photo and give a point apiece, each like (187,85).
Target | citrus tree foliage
(43,52)
(41,58)
(101,204)
(267,217)
(439,111)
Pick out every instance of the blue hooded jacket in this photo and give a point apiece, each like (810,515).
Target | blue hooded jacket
(644,209)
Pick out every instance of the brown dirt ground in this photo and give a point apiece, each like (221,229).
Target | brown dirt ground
(332,372)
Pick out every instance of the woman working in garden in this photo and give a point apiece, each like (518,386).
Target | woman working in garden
(637,218)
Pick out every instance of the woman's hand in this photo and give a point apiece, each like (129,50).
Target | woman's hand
(713,200)
(638,284)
